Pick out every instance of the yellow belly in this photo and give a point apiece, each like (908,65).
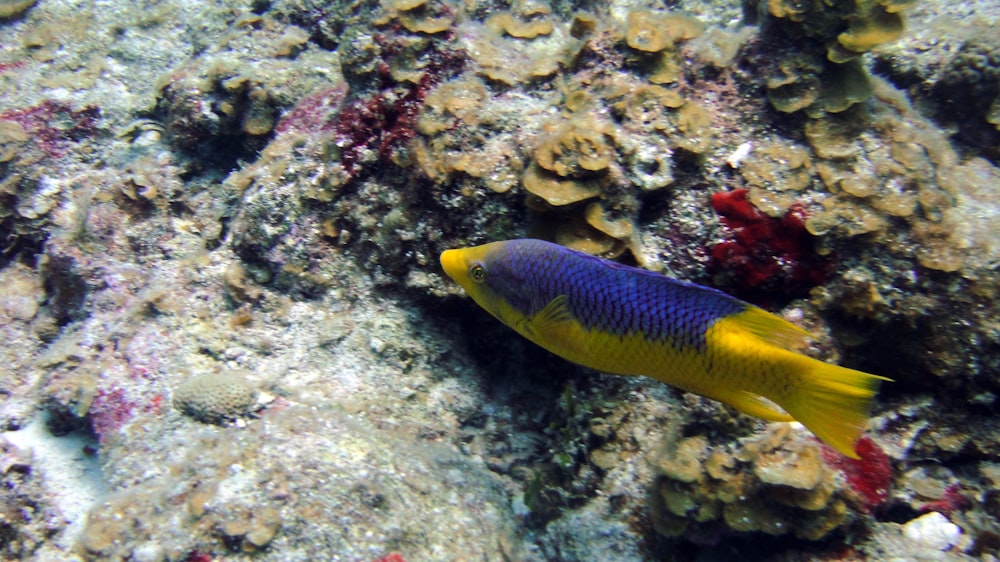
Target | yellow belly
(734,368)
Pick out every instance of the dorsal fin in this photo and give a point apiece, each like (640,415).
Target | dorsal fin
(770,328)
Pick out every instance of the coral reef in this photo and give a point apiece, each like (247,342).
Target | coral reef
(263,192)
(251,495)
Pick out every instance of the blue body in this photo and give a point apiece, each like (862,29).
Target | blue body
(607,296)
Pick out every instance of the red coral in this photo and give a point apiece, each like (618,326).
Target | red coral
(392,557)
(869,476)
(52,124)
(155,405)
(765,253)
(109,411)
(371,129)
(376,126)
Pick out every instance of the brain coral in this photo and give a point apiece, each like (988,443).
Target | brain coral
(215,398)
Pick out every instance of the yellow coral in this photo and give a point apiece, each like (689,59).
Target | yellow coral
(655,35)
(777,484)
(844,31)
(576,149)
(597,217)
(451,102)
(864,34)
(417,16)
(556,191)
(644,33)
(13,8)
(506,22)
(651,32)
(684,462)
(575,232)
(583,23)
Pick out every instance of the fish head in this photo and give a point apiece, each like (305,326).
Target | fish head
(470,267)
(492,274)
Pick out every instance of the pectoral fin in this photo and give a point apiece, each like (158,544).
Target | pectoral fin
(557,330)
(549,320)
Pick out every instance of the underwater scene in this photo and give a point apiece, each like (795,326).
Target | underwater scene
(499,280)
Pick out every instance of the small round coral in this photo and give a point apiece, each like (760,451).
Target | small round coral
(215,398)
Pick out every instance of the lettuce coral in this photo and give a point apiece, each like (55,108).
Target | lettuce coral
(817,68)
(777,484)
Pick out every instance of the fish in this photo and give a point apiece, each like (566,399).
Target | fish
(624,320)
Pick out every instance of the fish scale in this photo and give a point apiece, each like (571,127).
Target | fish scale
(602,297)
(629,321)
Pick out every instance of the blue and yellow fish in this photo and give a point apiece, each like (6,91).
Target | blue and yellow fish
(629,321)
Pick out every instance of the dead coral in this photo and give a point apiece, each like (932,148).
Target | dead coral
(28,519)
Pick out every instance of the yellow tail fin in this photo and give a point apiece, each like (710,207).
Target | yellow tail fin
(834,403)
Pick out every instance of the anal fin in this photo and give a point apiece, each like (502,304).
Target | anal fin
(757,406)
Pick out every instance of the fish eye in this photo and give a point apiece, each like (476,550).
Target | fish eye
(477,273)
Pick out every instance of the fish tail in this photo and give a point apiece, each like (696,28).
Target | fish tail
(833,402)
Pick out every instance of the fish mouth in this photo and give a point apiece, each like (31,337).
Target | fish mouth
(452,263)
